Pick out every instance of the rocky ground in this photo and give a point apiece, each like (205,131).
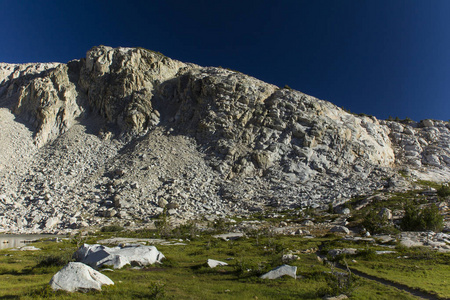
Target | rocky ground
(126,134)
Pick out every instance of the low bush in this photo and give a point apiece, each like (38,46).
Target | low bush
(377,224)
(339,283)
(416,219)
(444,191)
(111,228)
(54,260)
(157,290)
(367,254)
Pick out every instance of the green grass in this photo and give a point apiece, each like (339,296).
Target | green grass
(184,274)
(423,269)
(428,184)
(368,218)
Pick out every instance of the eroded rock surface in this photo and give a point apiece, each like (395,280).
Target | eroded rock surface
(97,255)
(126,134)
(78,277)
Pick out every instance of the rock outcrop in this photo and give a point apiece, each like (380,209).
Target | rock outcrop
(78,277)
(280,272)
(125,134)
(97,255)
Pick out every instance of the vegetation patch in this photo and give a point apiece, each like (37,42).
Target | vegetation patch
(417,219)
(184,273)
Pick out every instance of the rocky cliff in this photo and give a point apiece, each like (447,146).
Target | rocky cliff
(126,133)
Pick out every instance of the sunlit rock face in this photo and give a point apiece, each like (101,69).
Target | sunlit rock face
(125,133)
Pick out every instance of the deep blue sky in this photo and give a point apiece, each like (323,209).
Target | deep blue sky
(379,57)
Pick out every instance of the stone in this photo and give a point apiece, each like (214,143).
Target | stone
(348,251)
(117,257)
(229,236)
(281,271)
(385,213)
(381,252)
(343,210)
(162,202)
(427,123)
(339,297)
(214,263)
(340,229)
(289,257)
(29,248)
(383,238)
(78,277)
(408,242)
(308,223)
(51,222)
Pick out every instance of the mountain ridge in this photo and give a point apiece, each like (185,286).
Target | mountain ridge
(125,133)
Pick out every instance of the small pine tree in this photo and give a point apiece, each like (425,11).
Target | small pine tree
(444,191)
(416,219)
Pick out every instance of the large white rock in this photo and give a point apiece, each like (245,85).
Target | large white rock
(78,277)
(117,257)
(212,263)
(281,271)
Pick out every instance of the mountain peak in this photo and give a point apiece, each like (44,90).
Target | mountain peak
(126,132)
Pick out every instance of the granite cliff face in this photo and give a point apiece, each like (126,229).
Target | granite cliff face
(125,133)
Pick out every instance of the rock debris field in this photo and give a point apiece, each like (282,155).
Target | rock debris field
(127,134)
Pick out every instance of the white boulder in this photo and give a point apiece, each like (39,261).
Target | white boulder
(78,277)
(133,254)
(281,271)
(212,263)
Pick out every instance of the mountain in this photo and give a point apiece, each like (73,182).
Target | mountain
(126,134)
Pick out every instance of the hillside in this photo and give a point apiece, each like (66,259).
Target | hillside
(126,134)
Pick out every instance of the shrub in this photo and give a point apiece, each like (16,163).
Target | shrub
(330,209)
(444,191)
(432,218)
(163,227)
(111,228)
(247,268)
(376,224)
(416,219)
(188,230)
(54,260)
(156,290)
(339,283)
(367,254)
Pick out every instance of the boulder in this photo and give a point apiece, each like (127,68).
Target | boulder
(229,236)
(380,252)
(212,263)
(342,210)
(29,248)
(308,223)
(408,242)
(348,251)
(385,213)
(281,271)
(78,277)
(117,257)
(289,257)
(339,228)
(52,222)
